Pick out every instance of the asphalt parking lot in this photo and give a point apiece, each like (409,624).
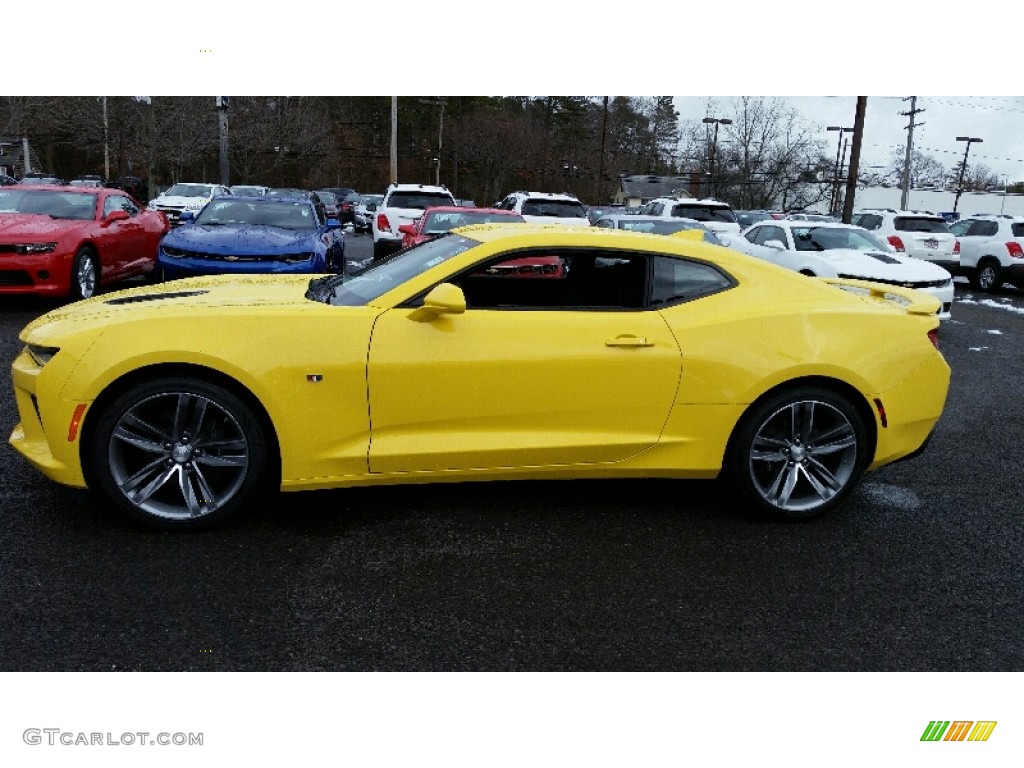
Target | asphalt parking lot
(919,570)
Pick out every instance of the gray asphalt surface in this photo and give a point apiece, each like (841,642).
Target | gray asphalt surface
(919,570)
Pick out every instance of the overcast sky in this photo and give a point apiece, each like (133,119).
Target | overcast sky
(995,120)
(467,47)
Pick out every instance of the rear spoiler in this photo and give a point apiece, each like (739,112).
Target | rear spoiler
(910,300)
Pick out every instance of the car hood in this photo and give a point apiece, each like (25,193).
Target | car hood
(14,225)
(270,293)
(239,239)
(177,201)
(877,265)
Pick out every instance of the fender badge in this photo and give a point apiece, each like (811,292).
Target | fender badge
(314,378)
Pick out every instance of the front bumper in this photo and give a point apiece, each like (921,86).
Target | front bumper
(46,275)
(174,268)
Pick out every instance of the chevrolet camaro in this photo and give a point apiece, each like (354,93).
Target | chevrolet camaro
(637,356)
(66,241)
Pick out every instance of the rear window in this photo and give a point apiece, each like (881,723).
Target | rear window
(919,224)
(560,209)
(868,221)
(718,213)
(421,200)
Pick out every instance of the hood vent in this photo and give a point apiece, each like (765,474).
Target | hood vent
(154,297)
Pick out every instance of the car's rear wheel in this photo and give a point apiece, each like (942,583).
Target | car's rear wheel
(84,274)
(798,453)
(988,277)
(179,453)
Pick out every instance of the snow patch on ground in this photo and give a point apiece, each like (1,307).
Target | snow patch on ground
(977,349)
(994,304)
(891,496)
(995,332)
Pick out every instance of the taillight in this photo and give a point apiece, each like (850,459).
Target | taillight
(383,224)
(1015,250)
(956,247)
(896,243)
(933,337)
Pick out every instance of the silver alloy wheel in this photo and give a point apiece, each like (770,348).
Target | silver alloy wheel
(85,275)
(178,455)
(987,277)
(803,455)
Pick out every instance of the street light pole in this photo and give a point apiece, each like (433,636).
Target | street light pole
(714,150)
(1002,205)
(963,167)
(833,203)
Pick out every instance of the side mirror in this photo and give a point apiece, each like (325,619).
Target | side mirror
(776,244)
(117,215)
(407,229)
(186,216)
(445,299)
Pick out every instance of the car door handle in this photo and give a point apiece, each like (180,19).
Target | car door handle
(629,341)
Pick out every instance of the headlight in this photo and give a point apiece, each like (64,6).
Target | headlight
(42,355)
(27,249)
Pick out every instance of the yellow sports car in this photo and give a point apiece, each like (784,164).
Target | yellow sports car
(496,351)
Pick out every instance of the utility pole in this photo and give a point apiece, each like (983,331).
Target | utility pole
(600,162)
(851,179)
(963,167)
(222,114)
(394,139)
(905,196)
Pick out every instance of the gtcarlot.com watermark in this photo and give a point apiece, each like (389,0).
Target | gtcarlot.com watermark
(55,737)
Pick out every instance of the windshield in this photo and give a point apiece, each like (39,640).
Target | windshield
(441,221)
(703,212)
(563,209)
(190,190)
(284,215)
(57,205)
(833,238)
(382,276)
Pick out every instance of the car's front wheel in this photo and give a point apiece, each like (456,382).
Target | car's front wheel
(798,453)
(84,274)
(179,453)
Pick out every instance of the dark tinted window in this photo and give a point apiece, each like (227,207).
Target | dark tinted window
(675,280)
(868,220)
(918,224)
(704,212)
(982,228)
(553,208)
(1017,229)
(421,200)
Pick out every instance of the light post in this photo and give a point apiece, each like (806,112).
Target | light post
(714,149)
(440,137)
(1002,205)
(963,167)
(833,202)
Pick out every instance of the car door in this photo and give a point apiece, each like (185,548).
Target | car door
(555,361)
(123,242)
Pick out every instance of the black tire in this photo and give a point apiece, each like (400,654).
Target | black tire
(178,453)
(987,277)
(776,464)
(154,276)
(84,274)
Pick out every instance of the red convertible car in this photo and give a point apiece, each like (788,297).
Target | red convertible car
(439,219)
(67,241)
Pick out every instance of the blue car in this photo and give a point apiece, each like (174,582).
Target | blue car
(244,235)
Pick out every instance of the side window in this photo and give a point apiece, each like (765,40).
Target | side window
(775,233)
(118,203)
(657,208)
(755,235)
(982,228)
(676,280)
(1017,229)
(870,221)
(560,279)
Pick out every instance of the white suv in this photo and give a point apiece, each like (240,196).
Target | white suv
(547,208)
(184,197)
(991,250)
(403,204)
(713,214)
(918,234)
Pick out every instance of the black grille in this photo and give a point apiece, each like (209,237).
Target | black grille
(15,277)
